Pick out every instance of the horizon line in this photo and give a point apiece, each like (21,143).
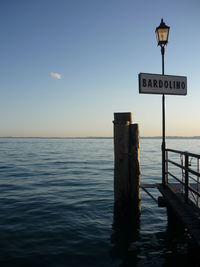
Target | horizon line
(96,137)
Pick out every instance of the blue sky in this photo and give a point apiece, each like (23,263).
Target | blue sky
(98,47)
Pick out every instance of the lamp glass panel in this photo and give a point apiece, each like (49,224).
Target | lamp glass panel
(162,35)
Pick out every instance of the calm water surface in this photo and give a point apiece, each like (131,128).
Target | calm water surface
(56,206)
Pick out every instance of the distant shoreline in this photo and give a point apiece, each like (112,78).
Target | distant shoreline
(93,137)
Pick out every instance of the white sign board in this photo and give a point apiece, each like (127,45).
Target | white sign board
(162,84)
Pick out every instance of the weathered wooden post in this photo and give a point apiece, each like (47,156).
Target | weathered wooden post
(127,169)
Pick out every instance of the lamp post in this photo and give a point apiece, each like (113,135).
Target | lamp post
(162,33)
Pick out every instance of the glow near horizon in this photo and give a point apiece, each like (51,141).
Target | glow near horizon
(67,66)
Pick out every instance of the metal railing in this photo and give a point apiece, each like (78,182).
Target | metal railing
(184,168)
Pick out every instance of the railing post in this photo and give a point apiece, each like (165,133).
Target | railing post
(186,176)
(166,166)
(183,174)
(198,183)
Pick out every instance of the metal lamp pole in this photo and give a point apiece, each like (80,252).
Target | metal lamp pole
(163,120)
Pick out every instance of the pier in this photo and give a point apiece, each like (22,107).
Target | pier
(181,189)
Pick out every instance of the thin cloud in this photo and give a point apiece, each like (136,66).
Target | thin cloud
(55,75)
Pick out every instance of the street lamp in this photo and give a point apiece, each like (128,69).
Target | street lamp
(162,33)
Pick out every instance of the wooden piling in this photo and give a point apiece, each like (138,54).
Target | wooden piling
(134,166)
(127,168)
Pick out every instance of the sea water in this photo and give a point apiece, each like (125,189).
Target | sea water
(56,206)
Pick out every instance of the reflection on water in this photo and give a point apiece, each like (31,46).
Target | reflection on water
(172,247)
(124,239)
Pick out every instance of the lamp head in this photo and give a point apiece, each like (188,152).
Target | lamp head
(162,33)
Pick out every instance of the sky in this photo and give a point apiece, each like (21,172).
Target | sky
(68,65)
